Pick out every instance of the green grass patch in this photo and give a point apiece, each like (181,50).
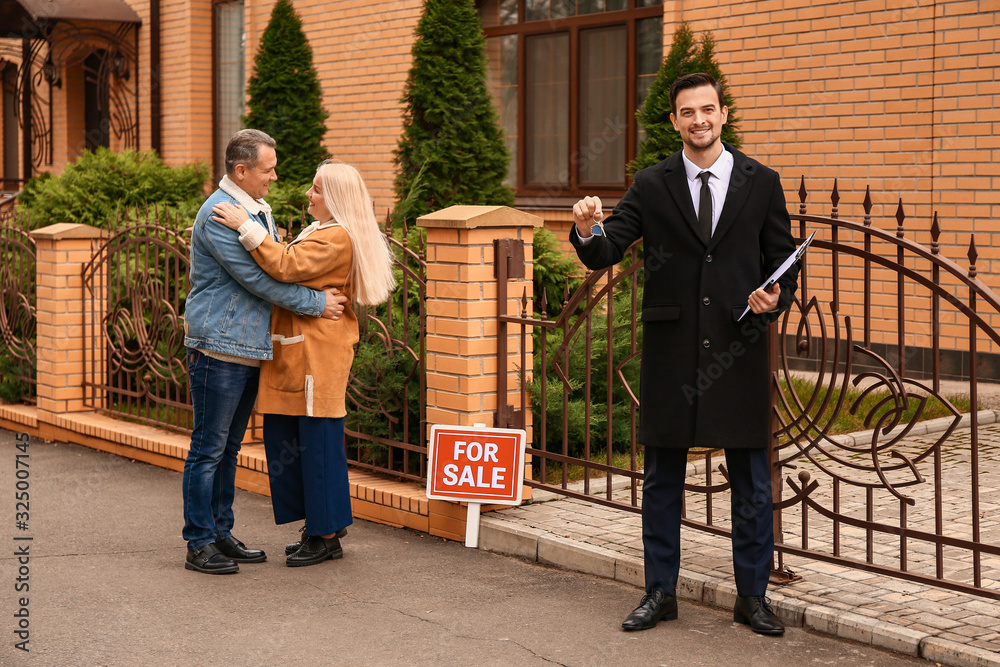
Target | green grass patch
(860,411)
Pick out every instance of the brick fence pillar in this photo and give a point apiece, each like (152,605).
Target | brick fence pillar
(462,324)
(62,313)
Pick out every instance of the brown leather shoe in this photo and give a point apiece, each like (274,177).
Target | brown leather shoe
(653,608)
(756,612)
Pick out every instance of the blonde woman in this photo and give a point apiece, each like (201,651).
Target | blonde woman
(302,390)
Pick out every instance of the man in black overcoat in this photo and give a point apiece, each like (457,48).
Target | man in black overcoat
(714,227)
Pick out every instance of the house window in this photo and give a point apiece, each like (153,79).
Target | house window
(230,84)
(567,77)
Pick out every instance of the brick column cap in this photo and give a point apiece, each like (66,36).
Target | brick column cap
(68,230)
(471,217)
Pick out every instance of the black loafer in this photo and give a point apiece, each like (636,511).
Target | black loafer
(653,608)
(756,612)
(292,547)
(315,550)
(238,551)
(210,560)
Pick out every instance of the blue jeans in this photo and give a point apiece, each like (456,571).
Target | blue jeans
(223,395)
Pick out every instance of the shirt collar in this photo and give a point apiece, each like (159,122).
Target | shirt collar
(253,206)
(723,165)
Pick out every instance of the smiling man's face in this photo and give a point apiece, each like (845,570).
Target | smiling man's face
(699,118)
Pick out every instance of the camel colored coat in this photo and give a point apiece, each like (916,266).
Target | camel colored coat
(312,355)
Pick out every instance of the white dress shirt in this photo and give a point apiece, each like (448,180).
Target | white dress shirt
(721,173)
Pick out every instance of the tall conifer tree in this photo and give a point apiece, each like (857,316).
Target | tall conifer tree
(451,150)
(685,56)
(285,96)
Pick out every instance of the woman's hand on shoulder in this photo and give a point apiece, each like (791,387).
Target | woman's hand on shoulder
(229,215)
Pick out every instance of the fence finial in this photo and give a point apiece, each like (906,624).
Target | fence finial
(973,256)
(935,234)
(835,199)
(867,203)
(900,216)
(802,195)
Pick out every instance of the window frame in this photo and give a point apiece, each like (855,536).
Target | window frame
(559,194)
(218,146)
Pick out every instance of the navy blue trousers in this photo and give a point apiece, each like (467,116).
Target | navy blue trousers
(307,467)
(752,518)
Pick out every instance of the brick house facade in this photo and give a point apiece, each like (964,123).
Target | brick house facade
(902,97)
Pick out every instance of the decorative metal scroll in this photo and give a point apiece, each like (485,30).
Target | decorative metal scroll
(387,388)
(116,75)
(68,45)
(884,499)
(900,495)
(17,307)
(134,289)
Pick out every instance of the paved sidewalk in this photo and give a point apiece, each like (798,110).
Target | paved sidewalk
(934,623)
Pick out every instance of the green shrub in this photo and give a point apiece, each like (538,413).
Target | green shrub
(286,99)
(576,400)
(384,391)
(12,387)
(685,57)
(452,149)
(101,184)
(288,203)
(553,271)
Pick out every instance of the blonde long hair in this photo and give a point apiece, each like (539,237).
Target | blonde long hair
(347,199)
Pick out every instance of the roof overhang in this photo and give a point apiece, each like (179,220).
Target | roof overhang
(29,18)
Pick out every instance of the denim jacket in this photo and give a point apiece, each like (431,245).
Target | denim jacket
(228,306)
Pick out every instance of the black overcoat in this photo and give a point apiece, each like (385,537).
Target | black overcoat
(704,375)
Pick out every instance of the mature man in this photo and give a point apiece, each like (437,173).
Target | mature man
(228,319)
(718,219)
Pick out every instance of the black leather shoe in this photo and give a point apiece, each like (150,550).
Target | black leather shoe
(315,550)
(653,608)
(210,560)
(292,547)
(756,612)
(238,551)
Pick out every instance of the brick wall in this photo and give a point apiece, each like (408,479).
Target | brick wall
(900,97)
(362,52)
(186,82)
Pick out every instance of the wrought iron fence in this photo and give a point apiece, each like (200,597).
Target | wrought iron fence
(891,499)
(387,390)
(134,289)
(17,307)
(876,313)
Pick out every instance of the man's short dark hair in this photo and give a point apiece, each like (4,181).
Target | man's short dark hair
(694,80)
(244,148)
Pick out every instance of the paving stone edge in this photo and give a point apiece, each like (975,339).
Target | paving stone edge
(535,544)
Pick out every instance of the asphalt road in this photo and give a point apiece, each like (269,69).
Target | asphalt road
(106,586)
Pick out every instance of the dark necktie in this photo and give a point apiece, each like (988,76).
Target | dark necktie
(705,208)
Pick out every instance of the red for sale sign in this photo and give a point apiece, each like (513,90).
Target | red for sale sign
(481,465)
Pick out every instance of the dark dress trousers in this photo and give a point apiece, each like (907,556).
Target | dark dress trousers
(704,375)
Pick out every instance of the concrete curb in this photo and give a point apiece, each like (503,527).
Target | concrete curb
(505,537)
